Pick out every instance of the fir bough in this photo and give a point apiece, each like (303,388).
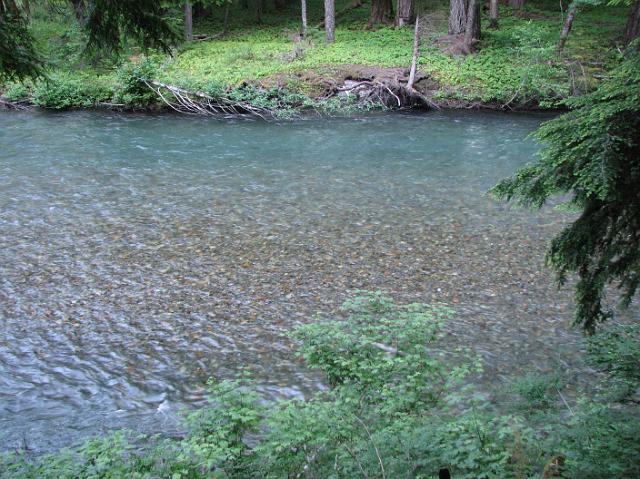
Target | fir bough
(593,153)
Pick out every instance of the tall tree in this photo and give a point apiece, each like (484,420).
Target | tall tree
(329,20)
(108,21)
(79,10)
(493,14)
(568,23)
(403,12)
(303,5)
(592,154)
(188,21)
(18,56)
(142,20)
(458,16)
(472,28)
(633,24)
(464,18)
(416,53)
(381,12)
(516,4)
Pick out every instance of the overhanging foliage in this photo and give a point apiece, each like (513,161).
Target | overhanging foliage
(592,152)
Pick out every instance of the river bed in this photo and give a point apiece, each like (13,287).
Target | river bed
(141,255)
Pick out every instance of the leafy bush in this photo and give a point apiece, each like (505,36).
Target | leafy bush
(616,350)
(591,154)
(64,91)
(536,390)
(598,441)
(396,407)
(16,92)
(131,89)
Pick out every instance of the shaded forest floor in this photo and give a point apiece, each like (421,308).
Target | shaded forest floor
(516,66)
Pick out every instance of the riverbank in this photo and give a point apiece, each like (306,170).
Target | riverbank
(269,66)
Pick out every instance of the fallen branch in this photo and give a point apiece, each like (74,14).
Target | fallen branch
(200,103)
(14,105)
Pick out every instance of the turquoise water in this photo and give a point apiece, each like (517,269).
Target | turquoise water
(140,255)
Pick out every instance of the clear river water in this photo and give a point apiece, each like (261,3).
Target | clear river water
(141,255)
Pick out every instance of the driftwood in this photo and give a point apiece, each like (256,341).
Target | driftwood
(14,105)
(390,92)
(200,103)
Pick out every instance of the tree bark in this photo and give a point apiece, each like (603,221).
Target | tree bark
(188,21)
(259,6)
(9,6)
(303,5)
(633,24)
(516,4)
(472,29)
(381,12)
(225,24)
(26,8)
(416,53)
(403,12)
(329,20)
(568,23)
(280,4)
(458,16)
(493,14)
(79,10)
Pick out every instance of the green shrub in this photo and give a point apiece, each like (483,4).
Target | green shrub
(397,407)
(536,391)
(616,350)
(62,91)
(17,92)
(131,90)
(598,441)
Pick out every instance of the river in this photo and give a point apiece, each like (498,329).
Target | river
(141,255)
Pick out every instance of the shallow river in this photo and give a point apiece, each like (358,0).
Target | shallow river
(140,255)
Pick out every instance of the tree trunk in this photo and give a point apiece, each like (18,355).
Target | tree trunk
(280,4)
(516,4)
(381,12)
(403,13)
(568,23)
(225,24)
(259,6)
(26,8)
(633,24)
(9,6)
(493,14)
(188,21)
(79,10)
(416,53)
(303,4)
(329,20)
(472,29)
(458,16)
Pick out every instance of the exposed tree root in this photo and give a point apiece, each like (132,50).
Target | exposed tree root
(392,94)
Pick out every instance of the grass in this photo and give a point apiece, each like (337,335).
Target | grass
(517,62)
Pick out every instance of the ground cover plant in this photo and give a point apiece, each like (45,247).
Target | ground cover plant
(515,65)
(396,406)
